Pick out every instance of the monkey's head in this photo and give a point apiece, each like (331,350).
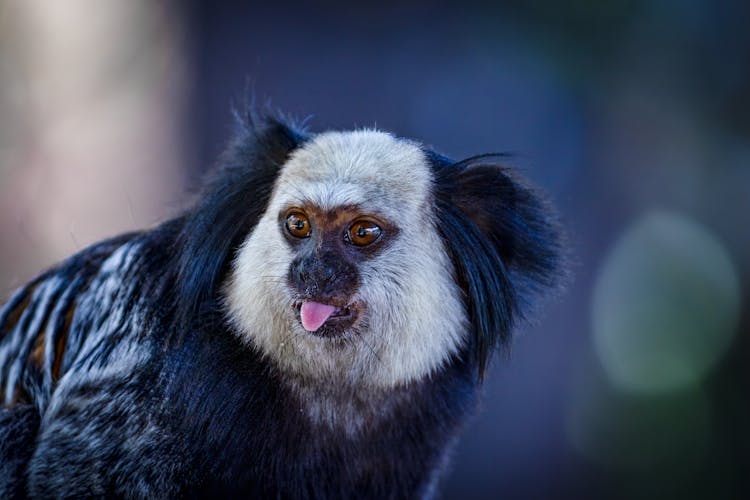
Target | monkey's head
(359,257)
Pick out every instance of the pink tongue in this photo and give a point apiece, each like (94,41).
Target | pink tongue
(314,314)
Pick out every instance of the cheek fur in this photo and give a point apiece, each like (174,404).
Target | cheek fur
(257,297)
(415,311)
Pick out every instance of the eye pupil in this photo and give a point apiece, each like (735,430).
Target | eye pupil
(361,232)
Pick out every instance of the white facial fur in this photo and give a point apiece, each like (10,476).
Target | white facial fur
(414,314)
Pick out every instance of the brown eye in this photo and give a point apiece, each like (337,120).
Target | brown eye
(298,225)
(362,233)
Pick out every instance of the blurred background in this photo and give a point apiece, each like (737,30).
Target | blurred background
(633,115)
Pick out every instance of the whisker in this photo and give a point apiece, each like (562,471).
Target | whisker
(372,349)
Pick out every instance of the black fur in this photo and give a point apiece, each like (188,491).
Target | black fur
(504,241)
(235,198)
(18,427)
(155,395)
(250,438)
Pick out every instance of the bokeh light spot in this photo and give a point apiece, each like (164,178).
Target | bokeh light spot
(665,306)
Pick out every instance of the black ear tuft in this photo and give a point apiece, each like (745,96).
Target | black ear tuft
(504,240)
(233,200)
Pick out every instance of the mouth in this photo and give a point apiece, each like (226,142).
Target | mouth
(326,320)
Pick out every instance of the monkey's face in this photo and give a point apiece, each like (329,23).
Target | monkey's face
(345,277)
(330,246)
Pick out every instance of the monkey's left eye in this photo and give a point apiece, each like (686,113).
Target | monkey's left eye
(362,233)
(298,225)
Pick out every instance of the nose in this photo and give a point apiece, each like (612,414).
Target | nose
(325,276)
(313,273)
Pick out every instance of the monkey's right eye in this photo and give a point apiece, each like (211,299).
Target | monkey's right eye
(298,225)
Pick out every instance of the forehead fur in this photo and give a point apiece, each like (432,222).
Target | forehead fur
(368,168)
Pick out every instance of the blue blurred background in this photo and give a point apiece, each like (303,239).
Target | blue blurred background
(633,115)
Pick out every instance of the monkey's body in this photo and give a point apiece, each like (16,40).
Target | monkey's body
(136,419)
(144,367)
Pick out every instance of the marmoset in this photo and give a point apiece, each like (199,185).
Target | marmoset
(316,325)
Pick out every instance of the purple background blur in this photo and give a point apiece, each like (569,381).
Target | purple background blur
(633,115)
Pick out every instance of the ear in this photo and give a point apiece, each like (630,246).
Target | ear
(504,241)
(234,199)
